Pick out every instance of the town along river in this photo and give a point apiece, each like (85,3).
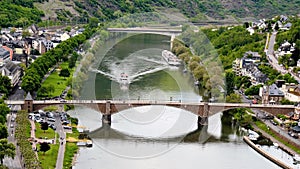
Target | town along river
(154,137)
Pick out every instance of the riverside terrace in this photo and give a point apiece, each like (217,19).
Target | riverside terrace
(108,107)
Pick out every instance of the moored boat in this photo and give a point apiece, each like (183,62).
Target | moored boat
(170,58)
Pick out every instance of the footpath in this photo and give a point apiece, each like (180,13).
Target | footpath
(281,145)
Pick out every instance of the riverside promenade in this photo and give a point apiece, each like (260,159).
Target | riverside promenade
(265,154)
(281,145)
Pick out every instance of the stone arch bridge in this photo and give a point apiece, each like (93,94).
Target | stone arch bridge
(109,107)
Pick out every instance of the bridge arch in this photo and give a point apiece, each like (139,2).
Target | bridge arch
(202,110)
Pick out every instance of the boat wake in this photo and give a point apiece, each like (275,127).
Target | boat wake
(139,75)
(104,73)
(155,61)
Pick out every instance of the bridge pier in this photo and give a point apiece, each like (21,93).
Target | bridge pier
(106,118)
(203,121)
(171,41)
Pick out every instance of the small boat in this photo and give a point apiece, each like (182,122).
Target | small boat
(253,135)
(124,81)
(89,143)
(170,58)
(296,159)
(124,78)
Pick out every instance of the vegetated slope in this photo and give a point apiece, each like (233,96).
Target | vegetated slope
(197,9)
(22,12)
(18,13)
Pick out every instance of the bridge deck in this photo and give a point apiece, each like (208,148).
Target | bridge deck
(143,102)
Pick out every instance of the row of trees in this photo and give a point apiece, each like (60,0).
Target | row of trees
(5,85)
(34,74)
(6,149)
(22,135)
(193,63)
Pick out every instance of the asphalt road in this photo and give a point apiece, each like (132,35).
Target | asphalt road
(277,128)
(62,142)
(273,60)
(9,162)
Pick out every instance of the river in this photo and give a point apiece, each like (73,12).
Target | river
(154,137)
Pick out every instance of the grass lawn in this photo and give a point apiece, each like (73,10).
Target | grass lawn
(50,133)
(48,160)
(264,127)
(71,150)
(59,82)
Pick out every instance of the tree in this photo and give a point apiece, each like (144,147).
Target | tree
(3,131)
(253,90)
(44,126)
(43,91)
(229,78)
(286,102)
(44,147)
(6,150)
(4,110)
(25,34)
(65,73)
(233,98)
(51,88)
(276,26)
(93,22)
(246,24)
(68,28)
(5,84)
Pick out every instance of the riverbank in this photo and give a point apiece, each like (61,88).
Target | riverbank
(287,145)
(265,154)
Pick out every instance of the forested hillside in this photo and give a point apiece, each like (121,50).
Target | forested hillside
(18,13)
(25,12)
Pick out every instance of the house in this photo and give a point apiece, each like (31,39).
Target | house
(283,18)
(42,45)
(271,94)
(286,26)
(12,71)
(251,30)
(255,56)
(33,29)
(4,55)
(291,92)
(237,67)
(10,51)
(246,67)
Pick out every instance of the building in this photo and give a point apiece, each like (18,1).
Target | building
(246,66)
(291,92)
(271,94)
(4,55)
(12,71)
(237,67)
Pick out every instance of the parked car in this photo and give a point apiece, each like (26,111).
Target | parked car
(65,122)
(67,127)
(49,114)
(51,119)
(52,126)
(273,122)
(63,101)
(293,134)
